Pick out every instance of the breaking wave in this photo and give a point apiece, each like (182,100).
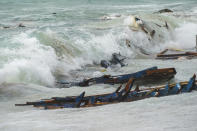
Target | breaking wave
(28,62)
(39,56)
(184,37)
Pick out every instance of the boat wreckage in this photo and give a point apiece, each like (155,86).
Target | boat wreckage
(153,29)
(126,94)
(149,75)
(176,54)
(154,32)
(116,59)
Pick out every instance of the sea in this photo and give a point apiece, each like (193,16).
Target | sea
(46,41)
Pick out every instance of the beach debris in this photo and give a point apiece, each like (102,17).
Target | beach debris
(6,27)
(176,54)
(166,25)
(21,25)
(105,63)
(126,94)
(137,24)
(110,17)
(116,59)
(154,30)
(148,75)
(164,11)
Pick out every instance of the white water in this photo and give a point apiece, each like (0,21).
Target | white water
(184,37)
(30,62)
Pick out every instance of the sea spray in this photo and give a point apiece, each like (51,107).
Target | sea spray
(183,37)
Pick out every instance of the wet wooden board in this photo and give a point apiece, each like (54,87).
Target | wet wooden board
(144,76)
(175,54)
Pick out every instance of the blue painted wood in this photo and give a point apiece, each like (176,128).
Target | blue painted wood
(190,85)
(153,94)
(175,89)
(164,92)
(92,100)
(134,75)
(77,103)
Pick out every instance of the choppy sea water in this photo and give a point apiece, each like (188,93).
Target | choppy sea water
(68,39)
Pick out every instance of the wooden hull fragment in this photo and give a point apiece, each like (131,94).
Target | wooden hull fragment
(148,75)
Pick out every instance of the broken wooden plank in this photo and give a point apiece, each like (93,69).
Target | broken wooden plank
(176,54)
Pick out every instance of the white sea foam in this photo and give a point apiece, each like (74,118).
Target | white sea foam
(184,37)
(128,21)
(31,62)
(102,47)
